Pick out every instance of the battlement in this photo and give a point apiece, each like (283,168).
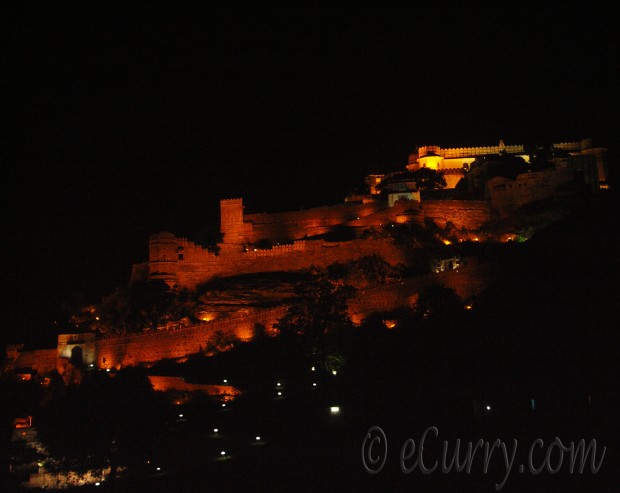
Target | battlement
(234,201)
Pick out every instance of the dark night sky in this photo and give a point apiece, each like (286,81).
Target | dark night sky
(127,122)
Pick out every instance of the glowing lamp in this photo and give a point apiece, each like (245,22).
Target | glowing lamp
(224,405)
(279,393)
(278,384)
(488,408)
(159,468)
(313,369)
(334,372)
(180,415)
(258,439)
(314,384)
(223,452)
(334,410)
(215,430)
(108,370)
(97,483)
(225,381)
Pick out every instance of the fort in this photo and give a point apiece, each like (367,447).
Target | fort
(297,240)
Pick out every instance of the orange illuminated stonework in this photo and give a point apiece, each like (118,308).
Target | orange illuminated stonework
(453,161)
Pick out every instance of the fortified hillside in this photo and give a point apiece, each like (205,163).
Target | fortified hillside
(398,225)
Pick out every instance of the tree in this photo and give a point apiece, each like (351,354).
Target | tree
(141,305)
(103,422)
(438,302)
(540,156)
(428,179)
(320,312)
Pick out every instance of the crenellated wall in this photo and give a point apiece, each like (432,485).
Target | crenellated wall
(238,228)
(201,266)
(292,225)
(183,264)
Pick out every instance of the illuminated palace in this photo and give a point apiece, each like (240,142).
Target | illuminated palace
(454,161)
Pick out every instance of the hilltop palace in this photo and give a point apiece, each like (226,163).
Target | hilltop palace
(454,161)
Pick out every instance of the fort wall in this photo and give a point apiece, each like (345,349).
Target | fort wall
(148,348)
(174,344)
(183,264)
(167,384)
(467,282)
(305,223)
(464,214)
(41,361)
(198,265)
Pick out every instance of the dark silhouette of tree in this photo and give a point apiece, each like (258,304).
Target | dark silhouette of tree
(540,156)
(428,179)
(438,302)
(318,315)
(142,305)
(103,422)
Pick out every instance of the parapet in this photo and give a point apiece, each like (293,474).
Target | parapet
(236,201)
